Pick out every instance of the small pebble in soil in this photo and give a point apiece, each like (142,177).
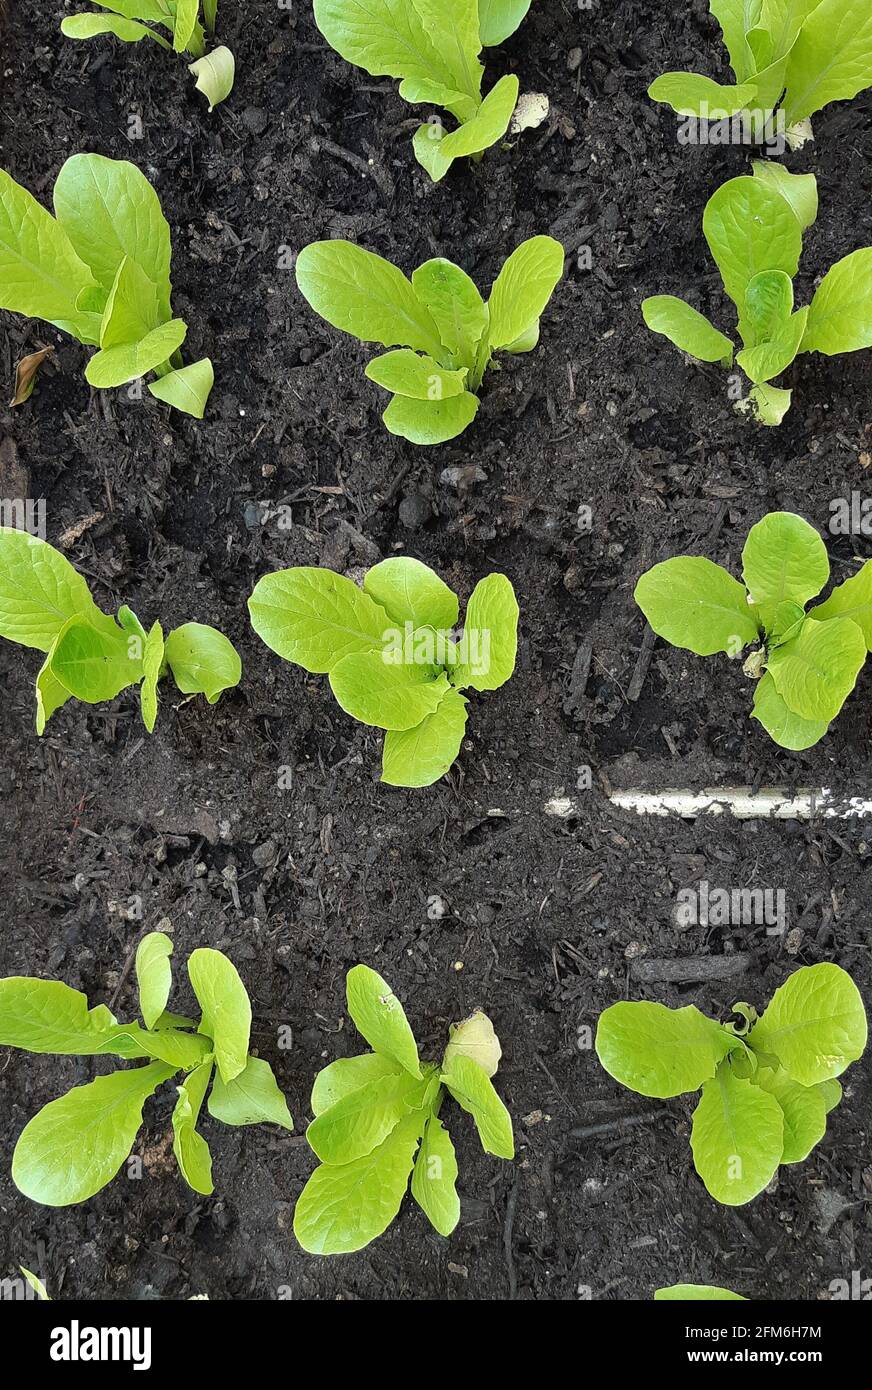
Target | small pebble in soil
(414,511)
(437,908)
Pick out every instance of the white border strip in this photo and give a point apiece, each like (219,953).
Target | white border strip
(770,803)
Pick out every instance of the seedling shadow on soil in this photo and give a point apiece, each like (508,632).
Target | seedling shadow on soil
(546,920)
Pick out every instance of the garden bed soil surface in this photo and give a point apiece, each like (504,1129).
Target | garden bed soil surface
(546,917)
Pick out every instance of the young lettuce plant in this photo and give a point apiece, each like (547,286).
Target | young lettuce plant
(444,332)
(130,21)
(46,604)
(372,1112)
(805,664)
(768,1082)
(76,1144)
(391,653)
(797,54)
(434,47)
(100,271)
(754,226)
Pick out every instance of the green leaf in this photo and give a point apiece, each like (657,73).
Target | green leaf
(94,664)
(215,73)
(853,600)
(737,1138)
(226,1008)
(489,646)
(185,26)
(77,1143)
(815,1024)
(691,94)
(385,695)
(187,388)
(474,1092)
(804,1110)
(202,660)
(154,975)
(419,757)
(314,617)
(523,288)
(783,558)
(768,304)
(452,27)
(362,1120)
(190,1148)
(784,19)
(50,694)
(40,592)
(832,1093)
(407,374)
(365,295)
(831,59)
(487,126)
(182,1051)
(40,274)
(131,310)
(657,1051)
(251,1098)
(427,147)
(736,18)
(348,1074)
(696,1293)
(497,20)
(89,26)
(815,672)
(800,190)
(387,38)
(48,1016)
(36,1284)
(457,308)
(341,1209)
(840,317)
(378,1016)
(435,1176)
(128,361)
(109,210)
(418,89)
(697,605)
(686,328)
(789,730)
(750,228)
(768,404)
(410,592)
(430,422)
(152,664)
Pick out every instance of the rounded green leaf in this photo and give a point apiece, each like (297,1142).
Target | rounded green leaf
(186,389)
(95,664)
(657,1051)
(830,60)
(487,126)
(487,651)
(523,288)
(88,26)
(226,1008)
(474,1092)
(364,1118)
(40,592)
(215,73)
(418,757)
(251,1098)
(768,303)
(750,228)
(737,1138)
(767,360)
(202,660)
(498,19)
(113,366)
(686,328)
(410,592)
(41,275)
(348,1074)
(804,1109)
(77,1143)
(435,1176)
(695,604)
(152,665)
(788,730)
(784,558)
(853,600)
(696,1293)
(840,317)
(815,1024)
(455,304)
(365,295)
(383,694)
(314,617)
(378,1016)
(815,672)
(691,94)
(800,190)
(431,421)
(190,1148)
(154,975)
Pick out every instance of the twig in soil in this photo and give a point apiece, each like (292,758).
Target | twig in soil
(508,1231)
(622,1122)
(643,661)
(392,490)
(125,971)
(578,678)
(368,167)
(691,969)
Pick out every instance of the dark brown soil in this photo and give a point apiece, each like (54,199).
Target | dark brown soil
(546,916)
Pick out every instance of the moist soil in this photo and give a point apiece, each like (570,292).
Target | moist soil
(259,826)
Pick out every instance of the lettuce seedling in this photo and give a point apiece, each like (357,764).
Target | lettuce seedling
(798,55)
(805,664)
(100,270)
(391,653)
(697,1293)
(768,1082)
(46,604)
(371,1113)
(434,47)
(131,22)
(444,333)
(76,1144)
(754,226)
